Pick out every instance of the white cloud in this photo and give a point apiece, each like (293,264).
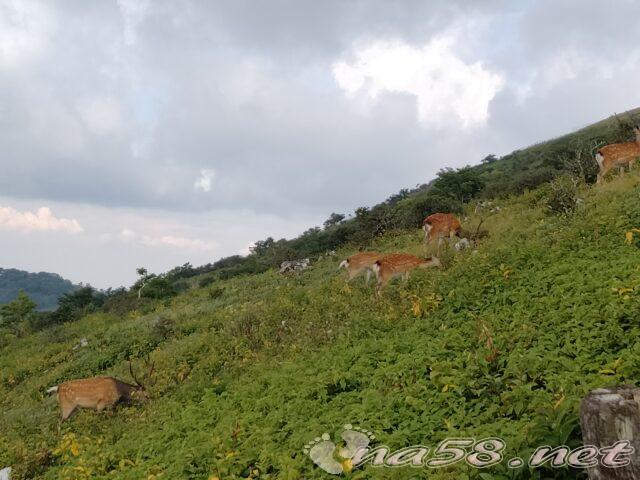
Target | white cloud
(133,13)
(572,64)
(25,27)
(204,182)
(102,116)
(447,89)
(179,242)
(40,220)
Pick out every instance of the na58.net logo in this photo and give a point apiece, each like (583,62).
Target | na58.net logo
(356,448)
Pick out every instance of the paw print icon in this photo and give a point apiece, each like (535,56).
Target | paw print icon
(336,458)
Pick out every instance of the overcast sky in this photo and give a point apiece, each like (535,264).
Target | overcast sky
(154,133)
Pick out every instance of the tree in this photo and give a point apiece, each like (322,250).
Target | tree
(184,271)
(159,287)
(261,247)
(362,212)
(334,219)
(143,280)
(17,311)
(73,305)
(489,158)
(462,184)
(395,198)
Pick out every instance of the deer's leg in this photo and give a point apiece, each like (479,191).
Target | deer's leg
(368,277)
(351,272)
(452,236)
(427,229)
(405,277)
(428,237)
(601,174)
(67,410)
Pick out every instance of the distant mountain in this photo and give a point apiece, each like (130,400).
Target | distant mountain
(43,288)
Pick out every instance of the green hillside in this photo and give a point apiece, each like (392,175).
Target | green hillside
(252,368)
(572,153)
(43,288)
(501,343)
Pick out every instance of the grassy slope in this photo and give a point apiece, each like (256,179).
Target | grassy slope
(249,374)
(538,157)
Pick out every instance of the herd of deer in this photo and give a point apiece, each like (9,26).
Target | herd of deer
(438,227)
(100,393)
(444,226)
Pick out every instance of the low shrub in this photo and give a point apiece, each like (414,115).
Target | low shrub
(562,195)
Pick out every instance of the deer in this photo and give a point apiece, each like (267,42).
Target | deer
(399,264)
(98,393)
(618,155)
(360,262)
(440,226)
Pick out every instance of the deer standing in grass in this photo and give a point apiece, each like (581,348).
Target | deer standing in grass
(399,264)
(440,226)
(360,262)
(97,393)
(618,155)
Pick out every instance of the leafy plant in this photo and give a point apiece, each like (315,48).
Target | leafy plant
(562,196)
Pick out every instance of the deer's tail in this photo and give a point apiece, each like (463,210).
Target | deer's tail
(52,390)
(599,159)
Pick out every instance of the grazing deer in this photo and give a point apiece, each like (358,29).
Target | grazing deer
(618,155)
(399,264)
(97,393)
(440,226)
(360,262)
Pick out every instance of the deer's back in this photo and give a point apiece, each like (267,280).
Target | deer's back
(442,222)
(364,258)
(620,151)
(399,262)
(87,391)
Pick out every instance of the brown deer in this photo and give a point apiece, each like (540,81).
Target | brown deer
(360,262)
(440,226)
(98,393)
(618,155)
(399,264)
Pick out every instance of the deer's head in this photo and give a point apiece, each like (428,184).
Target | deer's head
(140,392)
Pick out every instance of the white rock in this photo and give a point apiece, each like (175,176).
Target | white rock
(83,343)
(463,244)
(292,265)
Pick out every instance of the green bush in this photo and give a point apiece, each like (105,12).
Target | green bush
(207,280)
(562,195)
(159,288)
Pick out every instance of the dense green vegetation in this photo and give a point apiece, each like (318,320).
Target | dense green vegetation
(502,342)
(43,288)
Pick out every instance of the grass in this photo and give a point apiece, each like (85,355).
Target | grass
(503,342)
